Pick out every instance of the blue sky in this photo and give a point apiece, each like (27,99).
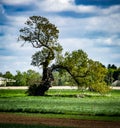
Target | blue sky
(91,25)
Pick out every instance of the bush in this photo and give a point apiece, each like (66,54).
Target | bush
(38,89)
(102,88)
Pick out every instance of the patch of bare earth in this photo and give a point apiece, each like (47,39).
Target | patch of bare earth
(21,119)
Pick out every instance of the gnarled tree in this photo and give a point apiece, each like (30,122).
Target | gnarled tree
(43,35)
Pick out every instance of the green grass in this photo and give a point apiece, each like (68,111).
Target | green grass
(64,103)
(3,125)
(12,93)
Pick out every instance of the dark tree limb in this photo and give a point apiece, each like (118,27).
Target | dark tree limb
(54,67)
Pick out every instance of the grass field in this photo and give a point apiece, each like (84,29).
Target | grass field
(70,104)
(27,126)
(62,102)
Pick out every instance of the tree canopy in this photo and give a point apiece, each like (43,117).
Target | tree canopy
(43,35)
(84,71)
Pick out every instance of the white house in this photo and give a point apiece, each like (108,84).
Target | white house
(116,83)
(3,81)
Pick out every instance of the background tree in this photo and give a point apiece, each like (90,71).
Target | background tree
(9,75)
(27,78)
(43,35)
(32,77)
(113,74)
(116,74)
(1,74)
(20,79)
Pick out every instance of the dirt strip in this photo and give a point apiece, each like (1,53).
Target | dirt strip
(53,87)
(21,119)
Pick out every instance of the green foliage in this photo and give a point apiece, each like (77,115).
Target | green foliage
(20,79)
(102,88)
(32,77)
(62,78)
(27,78)
(76,63)
(41,34)
(9,75)
(86,72)
(44,35)
(39,31)
(97,77)
(113,74)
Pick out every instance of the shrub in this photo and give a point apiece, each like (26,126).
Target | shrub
(38,89)
(102,88)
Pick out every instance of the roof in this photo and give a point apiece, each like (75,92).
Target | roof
(116,83)
(2,79)
(7,80)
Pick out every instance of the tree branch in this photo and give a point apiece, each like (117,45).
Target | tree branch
(54,67)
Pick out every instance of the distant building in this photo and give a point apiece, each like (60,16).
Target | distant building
(3,81)
(116,83)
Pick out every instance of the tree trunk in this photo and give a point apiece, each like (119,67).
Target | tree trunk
(39,90)
(46,81)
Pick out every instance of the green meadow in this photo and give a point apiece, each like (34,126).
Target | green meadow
(63,103)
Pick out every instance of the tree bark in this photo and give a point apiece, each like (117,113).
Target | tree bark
(46,81)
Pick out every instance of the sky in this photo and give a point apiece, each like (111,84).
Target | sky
(90,25)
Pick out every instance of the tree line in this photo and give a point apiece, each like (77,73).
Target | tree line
(61,78)
(22,78)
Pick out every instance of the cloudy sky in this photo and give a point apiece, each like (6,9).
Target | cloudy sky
(91,25)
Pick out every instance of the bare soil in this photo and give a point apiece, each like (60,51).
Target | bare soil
(23,119)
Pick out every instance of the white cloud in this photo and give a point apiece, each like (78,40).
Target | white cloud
(16,2)
(85,9)
(110,10)
(64,5)
(14,63)
(17,20)
(69,5)
(94,48)
(74,32)
(55,5)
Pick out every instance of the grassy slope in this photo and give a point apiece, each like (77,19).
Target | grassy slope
(63,103)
